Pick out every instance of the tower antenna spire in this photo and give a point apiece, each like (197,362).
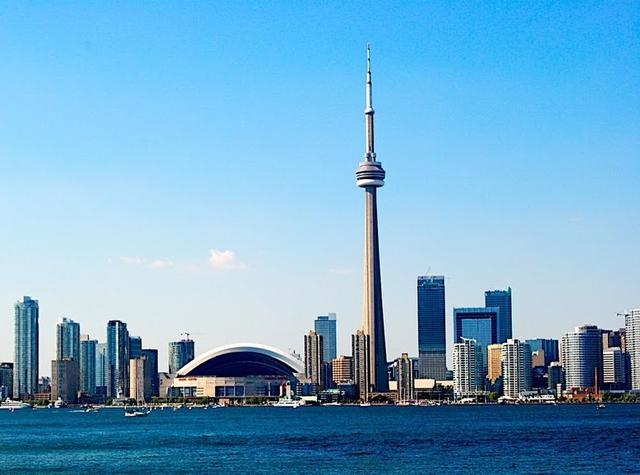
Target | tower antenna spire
(370,154)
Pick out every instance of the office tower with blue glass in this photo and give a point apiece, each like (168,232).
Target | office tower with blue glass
(87,365)
(432,350)
(479,324)
(370,176)
(26,350)
(117,359)
(502,300)
(101,369)
(325,325)
(135,347)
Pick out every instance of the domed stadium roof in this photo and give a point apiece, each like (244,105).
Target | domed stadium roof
(243,359)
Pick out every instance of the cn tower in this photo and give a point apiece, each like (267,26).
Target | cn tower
(370,176)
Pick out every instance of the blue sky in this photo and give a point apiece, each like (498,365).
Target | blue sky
(190,166)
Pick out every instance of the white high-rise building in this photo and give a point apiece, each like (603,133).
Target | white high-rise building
(467,368)
(632,323)
(516,367)
(582,356)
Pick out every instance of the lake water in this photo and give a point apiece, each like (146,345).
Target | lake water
(497,439)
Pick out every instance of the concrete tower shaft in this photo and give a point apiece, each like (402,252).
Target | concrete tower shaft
(370,176)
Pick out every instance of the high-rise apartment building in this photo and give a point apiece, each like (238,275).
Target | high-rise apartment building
(548,345)
(313,358)
(117,359)
(6,380)
(467,368)
(180,353)
(501,299)
(479,324)
(432,352)
(87,365)
(360,352)
(325,325)
(405,381)
(65,375)
(494,360)
(152,361)
(25,363)
(342,369)
(67,339)
(582,357)
(632,324)
(516,367)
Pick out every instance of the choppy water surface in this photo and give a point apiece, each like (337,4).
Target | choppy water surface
(506,439)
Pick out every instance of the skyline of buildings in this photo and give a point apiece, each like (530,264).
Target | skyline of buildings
(131,371)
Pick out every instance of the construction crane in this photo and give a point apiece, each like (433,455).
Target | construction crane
(185,334)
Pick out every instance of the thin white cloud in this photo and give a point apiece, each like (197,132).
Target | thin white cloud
(133,260)
(224,260)
(161,264)
(218,260)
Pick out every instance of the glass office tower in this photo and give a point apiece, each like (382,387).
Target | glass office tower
(152,360)
(87,364)
(325,325)
(502,300)
(432,352)
(117,359)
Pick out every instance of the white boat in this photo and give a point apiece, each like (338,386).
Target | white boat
(332,404)
(601,406)
(13,405)
(135,413)
(287,403)
(59,403)
(365,404)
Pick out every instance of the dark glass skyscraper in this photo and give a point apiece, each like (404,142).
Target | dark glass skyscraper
(25,364)
(117,359)
(431,327)
(152,360)
(325,325)
(502,300)
(87,364)
(135,347)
